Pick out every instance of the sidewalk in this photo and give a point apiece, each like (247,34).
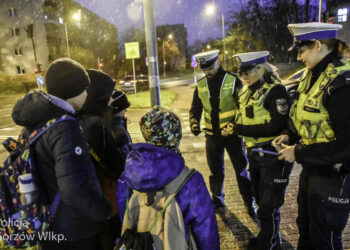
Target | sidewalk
(235,225)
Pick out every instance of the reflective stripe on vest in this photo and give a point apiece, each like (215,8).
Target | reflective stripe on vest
(310,117)
(227,104)
(260,114)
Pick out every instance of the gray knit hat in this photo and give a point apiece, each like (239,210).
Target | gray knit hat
(66,78)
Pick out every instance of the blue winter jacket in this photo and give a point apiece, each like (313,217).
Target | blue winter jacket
(148,168)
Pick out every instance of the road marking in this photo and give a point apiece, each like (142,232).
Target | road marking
(198,144)
(9,129)
(3,137)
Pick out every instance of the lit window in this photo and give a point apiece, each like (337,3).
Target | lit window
(20,70)
(15,31)
(60,20)
(46,17)
(342,15)
(12,12)
(17,52)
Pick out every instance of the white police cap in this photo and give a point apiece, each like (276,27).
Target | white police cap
(206,59)
(312,31)
(252,58)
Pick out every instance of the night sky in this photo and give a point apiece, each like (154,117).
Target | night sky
(189,12)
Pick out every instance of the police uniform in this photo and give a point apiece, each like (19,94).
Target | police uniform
(264,107)
(217,96)
(321,119)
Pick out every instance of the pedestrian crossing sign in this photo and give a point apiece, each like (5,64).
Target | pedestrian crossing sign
(132,50)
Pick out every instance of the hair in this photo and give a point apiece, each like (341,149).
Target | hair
(270,72)
(340,47)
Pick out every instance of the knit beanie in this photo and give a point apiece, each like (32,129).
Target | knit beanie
(162,127)
(99,92)
(120,101)
(66,78)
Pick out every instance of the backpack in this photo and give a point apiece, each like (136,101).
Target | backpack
(154,220)
(23,225)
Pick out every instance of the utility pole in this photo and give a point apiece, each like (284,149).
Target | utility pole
(163,60)
(152,55)
(223,36)
(320,11)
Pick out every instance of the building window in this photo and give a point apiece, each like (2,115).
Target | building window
(342,15)
(12,12)
(17,52)
(20,70)
(15,31)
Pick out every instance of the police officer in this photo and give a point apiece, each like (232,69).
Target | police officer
(264,106)
(321,119)
(216,94)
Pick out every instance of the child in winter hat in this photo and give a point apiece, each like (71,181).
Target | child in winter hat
(66,78)
(162,127)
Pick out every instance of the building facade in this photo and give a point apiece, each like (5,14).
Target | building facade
(338,11)
(33,33)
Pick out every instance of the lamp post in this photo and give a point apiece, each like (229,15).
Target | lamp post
(210,10)
(170,36)
(152,54)
(76,16)
(67,40)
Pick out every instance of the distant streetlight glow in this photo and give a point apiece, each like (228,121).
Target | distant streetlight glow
(170,36)
(208,46)
(77,15)
(210,9)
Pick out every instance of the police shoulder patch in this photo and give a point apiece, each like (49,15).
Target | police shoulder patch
(282,106)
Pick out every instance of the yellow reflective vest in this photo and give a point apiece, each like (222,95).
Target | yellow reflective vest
(310,117)
(259,115)
(227,106)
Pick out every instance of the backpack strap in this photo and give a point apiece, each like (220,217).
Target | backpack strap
(54,205)
(41,130)
(169,200)
(33,137)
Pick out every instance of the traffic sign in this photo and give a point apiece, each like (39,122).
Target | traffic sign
(40,81)
(132,50)
(194,64)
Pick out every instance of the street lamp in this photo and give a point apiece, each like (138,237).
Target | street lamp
(76,16)
(170,37)
(210,10)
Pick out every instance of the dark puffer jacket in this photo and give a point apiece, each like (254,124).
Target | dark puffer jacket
(63,164)
(149,168)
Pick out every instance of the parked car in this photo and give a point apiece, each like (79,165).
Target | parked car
(128,83)
(292,83)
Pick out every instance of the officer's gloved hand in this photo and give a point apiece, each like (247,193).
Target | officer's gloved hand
(195,128)
(228,129)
